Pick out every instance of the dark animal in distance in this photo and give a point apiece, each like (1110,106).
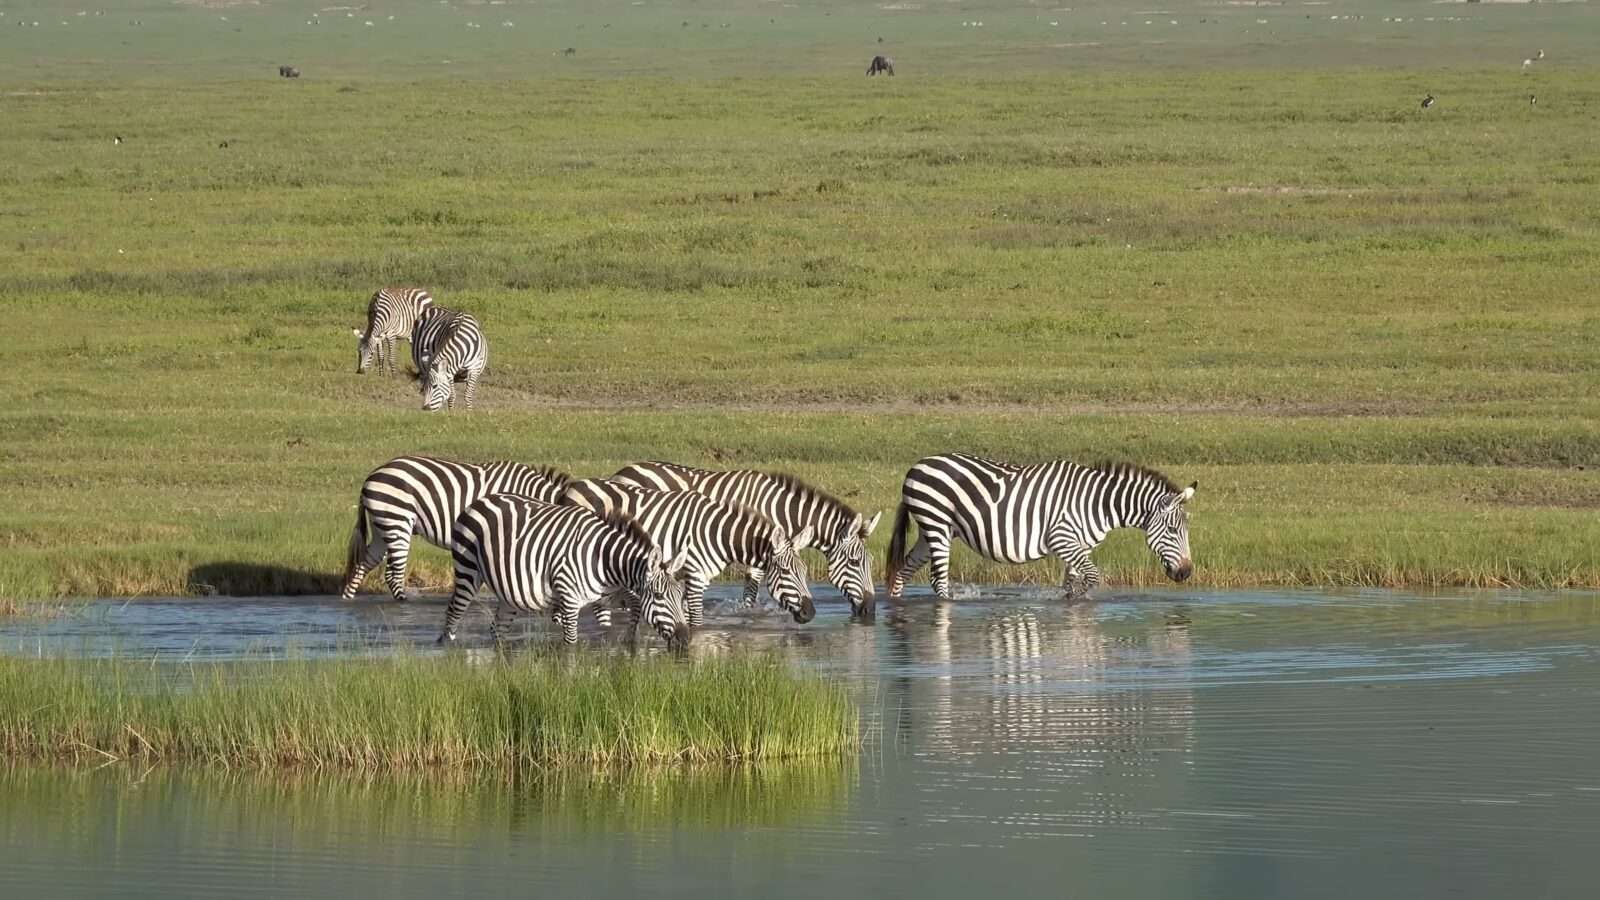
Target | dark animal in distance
(881,64)
(288,72)
(1427,101)
(570,51)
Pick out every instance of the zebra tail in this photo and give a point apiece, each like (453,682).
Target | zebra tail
(359,536)
(897,542)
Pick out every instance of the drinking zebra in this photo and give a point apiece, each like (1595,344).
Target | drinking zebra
(1018,514)
(536,556)
(446,347)
(713,533)
(839,531)
(423,495)
(392,313)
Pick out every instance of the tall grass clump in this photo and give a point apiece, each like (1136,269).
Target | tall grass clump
(409,712)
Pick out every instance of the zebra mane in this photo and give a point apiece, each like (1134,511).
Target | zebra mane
(623,522)
(794,483)
(1134,470)
(559,478)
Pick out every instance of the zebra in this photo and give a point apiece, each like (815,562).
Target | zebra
(537,556)
(392,314)
(424,495)
(446,347)
(713,533)
(840,532)
(1018,514)
(288,72)
(881,64)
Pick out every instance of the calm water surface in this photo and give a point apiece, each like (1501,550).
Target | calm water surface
(1259,744)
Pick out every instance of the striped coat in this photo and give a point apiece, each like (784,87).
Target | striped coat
(1012,513)
(424,495)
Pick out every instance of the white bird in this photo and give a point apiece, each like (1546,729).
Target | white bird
(1526,63)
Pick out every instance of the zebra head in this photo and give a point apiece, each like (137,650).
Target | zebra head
(786,576)
(660,591)
(849,567)
(364,350)
(1167,533)
(436,386)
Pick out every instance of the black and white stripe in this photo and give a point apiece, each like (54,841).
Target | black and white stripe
(1017,514)
(423,495)
(536,556)
(713,533)
(446,347)
(392,314)
(839,531)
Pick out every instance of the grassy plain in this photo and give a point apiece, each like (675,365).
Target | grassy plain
(409,712)
(1236,251)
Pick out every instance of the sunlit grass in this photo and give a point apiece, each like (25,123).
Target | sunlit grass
(414,712)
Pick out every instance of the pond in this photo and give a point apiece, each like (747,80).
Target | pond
(1146,744)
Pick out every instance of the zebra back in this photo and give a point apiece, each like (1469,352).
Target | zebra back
(393,311)
(529,551)
(714,532)
(786,500)
(427,494)
(427,332)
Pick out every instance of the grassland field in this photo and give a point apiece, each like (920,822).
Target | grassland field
(1235,250)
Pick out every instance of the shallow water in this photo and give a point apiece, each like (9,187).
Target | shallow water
(1220,744)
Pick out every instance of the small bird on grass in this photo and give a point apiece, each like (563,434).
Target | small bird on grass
(117,139)
(1532,100)
(1427,101)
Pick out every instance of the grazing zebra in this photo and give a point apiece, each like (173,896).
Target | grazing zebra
(392,313)
(537,556)
(423,495)
(880,64)
(840,532)
(1022,513)
(713,533)
(446,347)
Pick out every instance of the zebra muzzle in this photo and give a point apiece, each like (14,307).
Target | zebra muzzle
(1181,572)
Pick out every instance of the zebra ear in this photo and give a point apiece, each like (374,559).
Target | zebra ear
(866,530)
(1188,493)
(653,561)
(680,563)
(803,539)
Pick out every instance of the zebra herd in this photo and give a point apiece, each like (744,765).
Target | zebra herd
(447,346)
(652,535)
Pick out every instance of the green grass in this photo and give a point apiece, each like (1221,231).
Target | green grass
(411,712)
(1238,253)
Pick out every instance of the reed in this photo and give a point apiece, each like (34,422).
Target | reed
(416,712)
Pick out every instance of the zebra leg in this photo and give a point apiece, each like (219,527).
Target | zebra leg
(504,615)
(372,556)
(567,615)
(602,612)
(388,354)
(467,581)
(938,562)
(1081,575)
(916,559)
(752,586)
(693,601)
(472,385)
(394,573)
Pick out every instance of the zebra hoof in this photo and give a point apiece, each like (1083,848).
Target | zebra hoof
(447,639)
